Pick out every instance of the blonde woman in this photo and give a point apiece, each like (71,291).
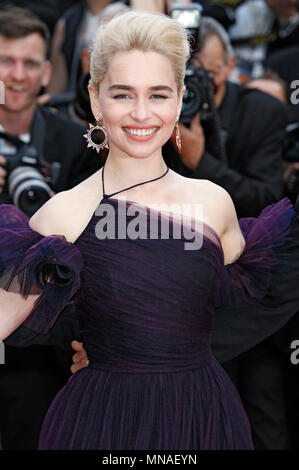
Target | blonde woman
(145,300)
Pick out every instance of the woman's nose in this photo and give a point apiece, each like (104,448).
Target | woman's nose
(141,110)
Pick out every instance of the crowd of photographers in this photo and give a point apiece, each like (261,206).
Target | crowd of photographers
(239,128)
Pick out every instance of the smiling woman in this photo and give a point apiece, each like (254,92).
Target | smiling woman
(145,305)
(138,105)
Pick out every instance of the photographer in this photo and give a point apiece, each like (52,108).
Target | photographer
(58,143)
(41,153)
(243,152)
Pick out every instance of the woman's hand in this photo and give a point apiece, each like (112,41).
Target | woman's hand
(80,358)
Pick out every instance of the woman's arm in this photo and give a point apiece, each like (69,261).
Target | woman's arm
(65,329)
(31,253)
(13,311)
(232,240)
(221,209)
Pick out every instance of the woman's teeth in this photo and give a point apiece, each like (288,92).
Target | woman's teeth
(140,131)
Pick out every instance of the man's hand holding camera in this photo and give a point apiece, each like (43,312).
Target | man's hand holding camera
(193,142)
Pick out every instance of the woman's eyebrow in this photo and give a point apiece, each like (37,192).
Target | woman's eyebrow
(130,88)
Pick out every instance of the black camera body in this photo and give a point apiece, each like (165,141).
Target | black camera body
(199,94)
(26,185)
(200,88)
(30,178)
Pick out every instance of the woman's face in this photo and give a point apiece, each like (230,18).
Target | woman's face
(139,102)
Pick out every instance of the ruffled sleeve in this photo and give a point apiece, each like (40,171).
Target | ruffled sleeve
(266,252)
(37,274)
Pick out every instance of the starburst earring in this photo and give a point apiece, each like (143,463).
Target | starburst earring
(99,127)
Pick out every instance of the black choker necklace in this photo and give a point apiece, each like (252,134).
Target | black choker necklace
(106,196)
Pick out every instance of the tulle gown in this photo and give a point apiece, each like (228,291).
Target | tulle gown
(146,310)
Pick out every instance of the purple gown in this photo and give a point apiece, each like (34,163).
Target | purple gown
(146,310)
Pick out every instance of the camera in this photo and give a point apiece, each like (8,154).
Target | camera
(189,16)
(200,87)
(199,94)
(26,186)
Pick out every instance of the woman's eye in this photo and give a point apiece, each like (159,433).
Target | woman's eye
(125,96)
(158,97)
(121,97)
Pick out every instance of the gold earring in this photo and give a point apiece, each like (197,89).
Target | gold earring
(99,127)
(178,137)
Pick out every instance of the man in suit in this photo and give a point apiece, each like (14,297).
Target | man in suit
(252,128)
(31,377)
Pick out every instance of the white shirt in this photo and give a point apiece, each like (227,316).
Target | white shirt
(6,148)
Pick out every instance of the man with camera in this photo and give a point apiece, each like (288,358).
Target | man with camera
(234,138)
(55,146)
(41,153)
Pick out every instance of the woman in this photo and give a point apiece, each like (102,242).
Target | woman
(146,303)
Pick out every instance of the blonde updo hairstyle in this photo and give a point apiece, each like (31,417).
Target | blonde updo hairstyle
(143,31)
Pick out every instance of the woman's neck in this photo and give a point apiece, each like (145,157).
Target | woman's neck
(124,171)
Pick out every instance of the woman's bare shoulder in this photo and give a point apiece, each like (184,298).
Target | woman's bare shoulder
(208,188)
(195,187)
(67,211)
(221,209)
(205,192)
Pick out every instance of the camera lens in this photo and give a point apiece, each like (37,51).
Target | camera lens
(28,189)
(191,101)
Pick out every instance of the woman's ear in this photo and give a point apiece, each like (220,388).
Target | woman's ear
(94,102)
